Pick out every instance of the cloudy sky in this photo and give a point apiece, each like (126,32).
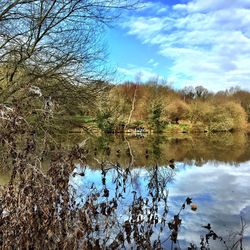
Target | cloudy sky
(221,193)
(195,42)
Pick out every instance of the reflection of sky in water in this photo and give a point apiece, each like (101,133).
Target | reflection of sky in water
(221,192)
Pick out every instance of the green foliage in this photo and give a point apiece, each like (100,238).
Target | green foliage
(177,128)
(138,123)
(104,122)
(220,122)
(155,119)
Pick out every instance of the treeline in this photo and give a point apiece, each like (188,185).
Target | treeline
(158,107)
(112,108)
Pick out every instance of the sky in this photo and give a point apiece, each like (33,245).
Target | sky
(185,43)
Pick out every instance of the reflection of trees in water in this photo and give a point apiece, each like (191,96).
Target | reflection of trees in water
(140,219)
(155,147)
(39,208)
(144,209)
(198,149)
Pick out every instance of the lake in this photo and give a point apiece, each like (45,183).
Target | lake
(150,179)
(211,169)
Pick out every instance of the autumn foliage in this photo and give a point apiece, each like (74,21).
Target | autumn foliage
(196,108)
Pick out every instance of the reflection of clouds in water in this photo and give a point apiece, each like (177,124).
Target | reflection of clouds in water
(222,194)
(220,191)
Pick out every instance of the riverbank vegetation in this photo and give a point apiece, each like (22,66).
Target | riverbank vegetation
(129,107)
(160,108)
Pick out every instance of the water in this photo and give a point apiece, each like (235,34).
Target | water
(198,149)
(212,170)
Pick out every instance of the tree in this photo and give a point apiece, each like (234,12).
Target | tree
(155,120)
(230,109)
(188,92)
(226,116)
(104,122)
(133,100)
(56,42)
(201,92)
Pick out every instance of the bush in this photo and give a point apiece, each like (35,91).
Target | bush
(104,122)
(220,122)
(177,110)
(237,113)
(216,117)
(201,112)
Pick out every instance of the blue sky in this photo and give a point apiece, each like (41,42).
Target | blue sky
(186,43)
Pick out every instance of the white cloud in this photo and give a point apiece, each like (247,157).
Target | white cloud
(152,62)
(210,5)
(154,6)
(220,191)
(207,41)
(224,197)
(132,72)
(145,6)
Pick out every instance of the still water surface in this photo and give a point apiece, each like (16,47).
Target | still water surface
(214,170)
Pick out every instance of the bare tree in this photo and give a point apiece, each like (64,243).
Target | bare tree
(60,41)
(188,92)
(201,92)
(135,87)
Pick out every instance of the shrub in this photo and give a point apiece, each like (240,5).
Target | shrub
(220,122)
(201,112)
(237,113)
(177,110)
(104,122)
(219,116)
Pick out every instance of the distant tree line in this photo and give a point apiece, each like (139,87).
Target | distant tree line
(159,106)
